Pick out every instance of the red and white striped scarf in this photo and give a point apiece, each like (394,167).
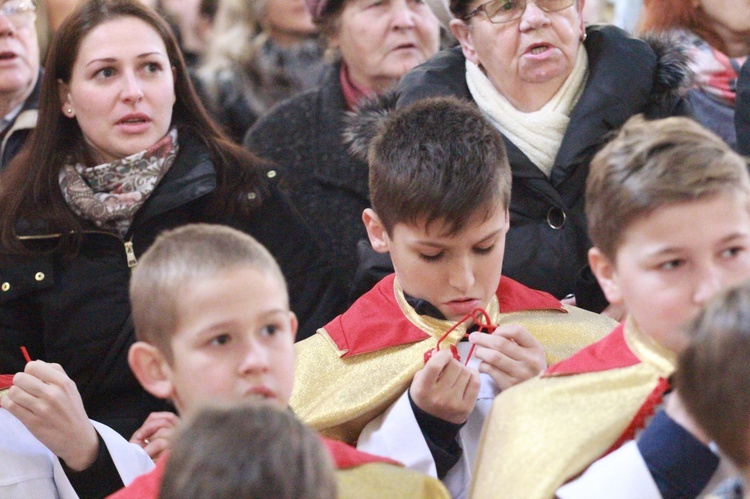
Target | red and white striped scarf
(715,72)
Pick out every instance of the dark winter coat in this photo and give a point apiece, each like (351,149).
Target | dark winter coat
(21,127)
(303,136)
(74,311)
(547,243)
(742,110)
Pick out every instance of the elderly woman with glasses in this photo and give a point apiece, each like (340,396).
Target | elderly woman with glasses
(555,89)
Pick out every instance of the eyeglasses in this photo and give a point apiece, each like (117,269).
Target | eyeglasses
(505,11)
(20,13)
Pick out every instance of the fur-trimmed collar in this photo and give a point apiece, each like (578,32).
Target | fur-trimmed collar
(673,75)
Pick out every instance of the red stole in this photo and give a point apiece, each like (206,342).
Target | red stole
(379,311)
(612,352)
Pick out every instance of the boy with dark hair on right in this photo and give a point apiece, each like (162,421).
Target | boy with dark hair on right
(668,208)
(392,373)
(713,380)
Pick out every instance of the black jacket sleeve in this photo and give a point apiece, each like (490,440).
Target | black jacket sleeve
(440,437)
(98,480)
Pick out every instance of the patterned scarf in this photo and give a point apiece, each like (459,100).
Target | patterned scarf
(110,194)
(715,72)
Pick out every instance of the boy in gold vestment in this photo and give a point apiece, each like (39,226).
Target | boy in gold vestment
(668,207)
(392,373)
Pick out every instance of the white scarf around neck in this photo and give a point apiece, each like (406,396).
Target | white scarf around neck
(537,134)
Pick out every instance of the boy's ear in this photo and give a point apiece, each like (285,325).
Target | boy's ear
(294,324)
(151,369)
(606,274)
(375,231)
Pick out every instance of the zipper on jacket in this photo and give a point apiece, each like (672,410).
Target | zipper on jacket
(130,254)
(129,251)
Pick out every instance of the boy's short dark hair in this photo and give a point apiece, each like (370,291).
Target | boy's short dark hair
(194,251)
(438,159)
(650,164)
(713,372)
(254,450)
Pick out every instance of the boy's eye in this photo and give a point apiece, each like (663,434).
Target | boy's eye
(270,330)
(671,264)
(431,258)
(732,252)
(484,251)
(221,339)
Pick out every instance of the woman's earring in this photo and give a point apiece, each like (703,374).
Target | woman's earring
(69,110)
(583,37)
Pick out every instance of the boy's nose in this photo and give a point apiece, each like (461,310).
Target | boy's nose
(711,282)
(254,359)
(461,275)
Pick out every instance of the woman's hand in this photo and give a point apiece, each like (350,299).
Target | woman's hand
(47,402)
(445,388)
(156,433)
(509,355)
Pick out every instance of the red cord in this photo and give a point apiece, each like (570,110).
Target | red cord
(477,314)
(25,354)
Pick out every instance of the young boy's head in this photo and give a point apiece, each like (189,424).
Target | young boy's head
(713,373)
(668,210)
(440,191)
(211,314)
(284,458)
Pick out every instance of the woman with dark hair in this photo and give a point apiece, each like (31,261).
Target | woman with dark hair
(717,34)
(124,150)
